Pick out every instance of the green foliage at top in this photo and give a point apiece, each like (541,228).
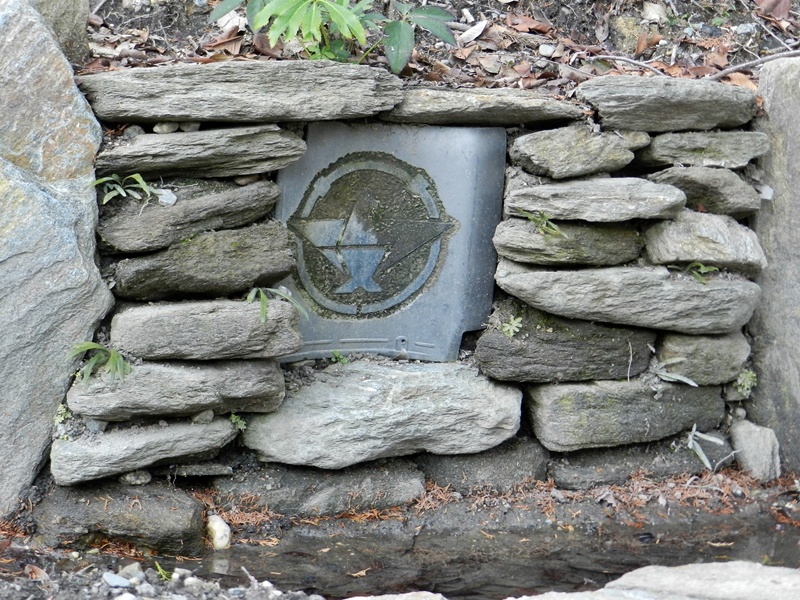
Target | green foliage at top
(264,295)
(511,327)
(697,270)
(541,222)
(337,357)
(745,382)
(108,358)
(132,185)
(399,42)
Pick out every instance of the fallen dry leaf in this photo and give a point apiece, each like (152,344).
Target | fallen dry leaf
(742,80)
(34,572)
(774,8)
(472,33)
(525,24)
(360,573)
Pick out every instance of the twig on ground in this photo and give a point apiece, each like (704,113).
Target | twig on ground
(767,29)
(627,60)
(752,63)
(98,7)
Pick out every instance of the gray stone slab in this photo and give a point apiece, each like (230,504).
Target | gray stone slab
(667,103)
(121,450)
(505,107)
(640,296)
(549,348)
(366,410)
(253,91)
(575,416)
(776,322)
(707,360)
(181,389)
(757,450)
(727,149)
(603,200)
(210,330)
(130,226)
(212,264)
(67,19)
(713,190)
(579,244)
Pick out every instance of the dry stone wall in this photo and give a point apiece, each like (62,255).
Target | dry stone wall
(624,283)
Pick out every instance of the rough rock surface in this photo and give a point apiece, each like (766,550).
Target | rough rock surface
(574,151)
(598,200)
(757,450)
(130,226)
(242,91)
(708,360)
(156,516)
(574,416)
(667,103)
(305,491)
(52,296)
(67,19)
(713,190)
(728,149)
(210,330)
(128,449)
(550,348)
(645,297)
(180,389)
(365,410)
(776,322)
(579,244)
(439,106)
(701,237)
(217,263)
(206,153)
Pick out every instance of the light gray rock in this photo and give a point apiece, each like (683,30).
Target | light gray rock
(217,263)
(180,389)
(517,461)
(67,19)
(728,149)
(644,297)
(130,226)
(304,491)
(757,450)
(265,91)
(210,330)
(575,416)
(708,360)
(719,191)
(122,450)
(549,348)
(52,296)
(580,244)
(365,410)
(598,200)
(667,103)
(776,322)
(209,153)
(156,516)
(716,240)
(505,107)
(574,151)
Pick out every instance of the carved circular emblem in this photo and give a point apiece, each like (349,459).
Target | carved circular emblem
(371,232)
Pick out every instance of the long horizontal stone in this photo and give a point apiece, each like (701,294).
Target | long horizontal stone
(667,103)
(728,149)
(367,410)
(702,237)
(213,264)
(598,200)
(212,330)
(505,107)
(578,244)
(205,153)
(575,416)
(719,191)
(127,225)
(549,348)
(123,450)
(246,92)
(641,296)
(706,360)
(181,389)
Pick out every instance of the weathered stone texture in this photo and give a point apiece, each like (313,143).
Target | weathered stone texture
(708,360)
(667,103)
(574,151)
(367,410)
(210,330)
(67,19)
(645,297)
(574,416)
(713,190)
(757,450)
(207,153)
(181,389)
(728,149)
(242,92)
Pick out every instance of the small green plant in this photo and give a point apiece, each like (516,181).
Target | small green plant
(108,358)
(399,42)
(238,421)
(662,373)
(336,357)
(264,295)
(542,222)
(511,327)
(114,185)
(63,414)
(697,270)
(693,443)
(745,382)
(162,573)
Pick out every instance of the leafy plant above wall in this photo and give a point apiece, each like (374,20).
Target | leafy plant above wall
(132,185)
(264,295)
(113,362)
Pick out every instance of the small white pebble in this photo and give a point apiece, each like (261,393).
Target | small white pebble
(219,532)
(165,127)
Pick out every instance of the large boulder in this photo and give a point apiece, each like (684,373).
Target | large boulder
(67,19)
(52,295)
